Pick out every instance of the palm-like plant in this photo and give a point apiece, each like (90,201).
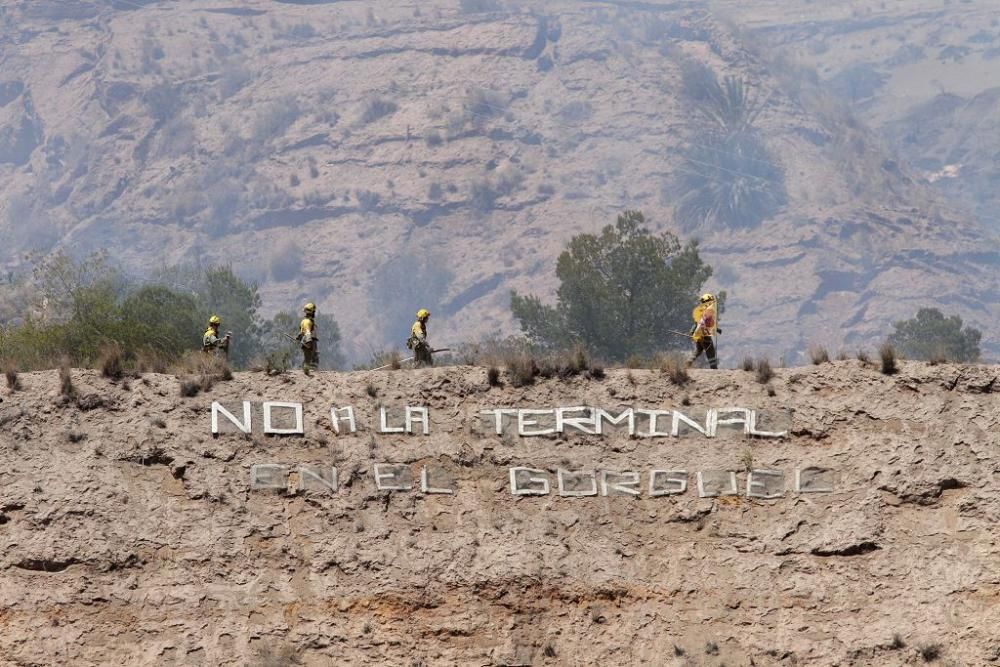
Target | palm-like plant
(729,180)
(731,105)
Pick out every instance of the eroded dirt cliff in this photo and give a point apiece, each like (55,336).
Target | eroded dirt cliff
(130,535)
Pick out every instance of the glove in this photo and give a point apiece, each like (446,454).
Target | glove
(718,330)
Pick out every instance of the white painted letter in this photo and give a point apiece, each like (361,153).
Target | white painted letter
(335,419)
(522,423)
(318,478)
(763,434)
(674,482)
(417,415)
(383,423)
(771,486)
(576,478)
(217,409)
(586,424)
(619,483)
(654,415)
(425,484)
(397,474)
(498,416)
(708,431)
(299,427)
(268,476)
(745,417)
(627,416)
(524,483)
(716,481)
(813,479)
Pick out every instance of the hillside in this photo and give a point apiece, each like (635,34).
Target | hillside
(130,535)
(378,157)
(924,74)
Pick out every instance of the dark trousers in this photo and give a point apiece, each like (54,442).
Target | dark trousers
(706,345)
(310,356)
(422,355)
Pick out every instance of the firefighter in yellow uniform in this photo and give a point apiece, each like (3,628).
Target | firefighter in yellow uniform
(418,340)
(212,343)
(307,339)
(705,329)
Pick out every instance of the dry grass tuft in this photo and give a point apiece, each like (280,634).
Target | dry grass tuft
(748,364)
(764,371)
(522,370)
(675,366)
(937,357)
(111,361)
(148,361)
(190,387)
(198,371)
(930,652)
(862,356)
(887,354)
(819,355)
(66,387)
(493,376)
(10,372)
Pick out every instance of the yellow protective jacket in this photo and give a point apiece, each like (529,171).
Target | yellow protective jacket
(210,340)
(705,321)
(418,334)
(307,330)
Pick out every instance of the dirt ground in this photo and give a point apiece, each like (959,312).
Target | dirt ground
(130,535)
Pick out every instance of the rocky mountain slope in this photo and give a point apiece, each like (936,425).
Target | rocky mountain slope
(130,535)
(926,75)
(377,157)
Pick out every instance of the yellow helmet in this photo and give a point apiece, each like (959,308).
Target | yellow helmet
(309,307)
(423,314)
(214,319)
(705,298)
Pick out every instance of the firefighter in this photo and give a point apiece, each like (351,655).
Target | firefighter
(211,343)
(307,339)
(418,340)
(705,329)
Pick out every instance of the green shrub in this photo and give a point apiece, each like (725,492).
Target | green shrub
(932,336)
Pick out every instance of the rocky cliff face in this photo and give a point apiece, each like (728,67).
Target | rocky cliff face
(379,158)
(130,534)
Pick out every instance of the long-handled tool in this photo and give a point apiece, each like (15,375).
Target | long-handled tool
(403,361)
(679,333)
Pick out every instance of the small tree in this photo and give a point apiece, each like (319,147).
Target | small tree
(930,335)
(620,292)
